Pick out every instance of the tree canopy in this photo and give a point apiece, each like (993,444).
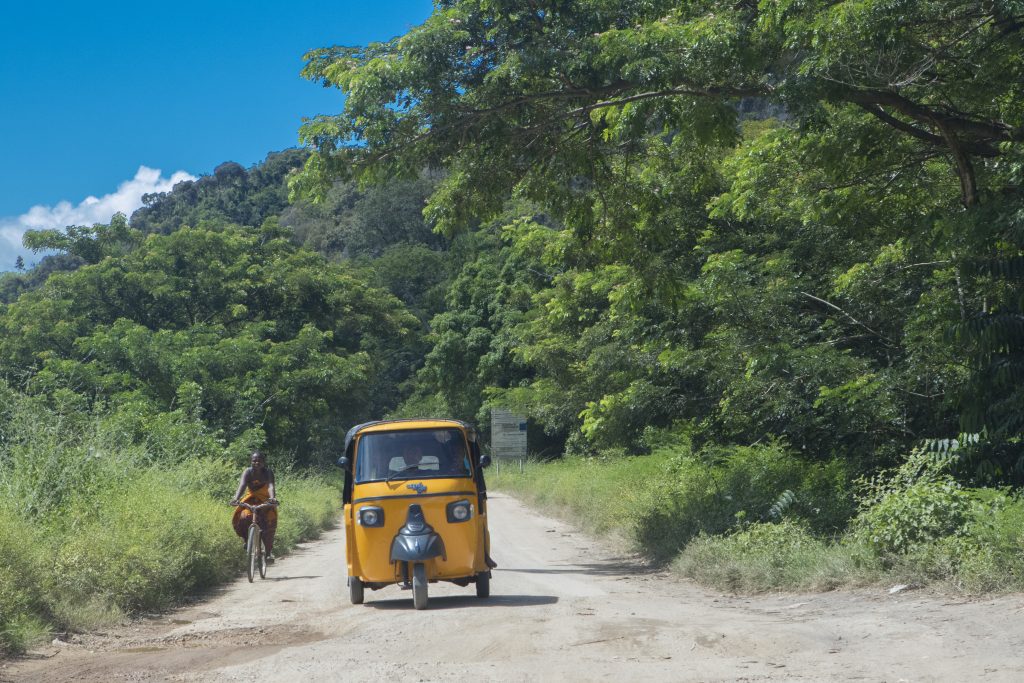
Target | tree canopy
(532,95)
(791,219)
(633,222)
(235,326)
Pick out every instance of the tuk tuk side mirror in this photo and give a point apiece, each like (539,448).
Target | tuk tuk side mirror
(485,461)
(344,463)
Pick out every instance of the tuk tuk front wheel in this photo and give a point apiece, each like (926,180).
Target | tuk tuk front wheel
(483,584)
(419,585)
(355,590)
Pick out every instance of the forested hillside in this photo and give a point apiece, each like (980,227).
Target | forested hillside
(778,245)
(777,248)
(846,278)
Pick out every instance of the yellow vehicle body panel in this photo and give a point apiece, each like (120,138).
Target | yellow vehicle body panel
(368,549)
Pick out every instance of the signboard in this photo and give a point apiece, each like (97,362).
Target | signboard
(508,435)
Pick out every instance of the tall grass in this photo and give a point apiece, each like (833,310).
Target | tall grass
(662,501)
(23,553)
(776,556)
(754,519)
(95,524)
(605,497)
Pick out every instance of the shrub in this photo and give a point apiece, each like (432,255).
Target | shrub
(44,461)
(928,528)
(726,487)
(134,539)
(917,503)
(606,496)
(662,501)
(985,555)
(146,542)
(921,513)
(311,503)
(766,556)
(143,543)
(21,600)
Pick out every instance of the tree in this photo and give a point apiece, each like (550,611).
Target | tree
(356,222)
(533,95)
(797,277)
(90,244)
(239,326)
(231,194)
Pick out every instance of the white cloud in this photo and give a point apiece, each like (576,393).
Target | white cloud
(90,210)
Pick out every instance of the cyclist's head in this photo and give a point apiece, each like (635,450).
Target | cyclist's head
(257,459)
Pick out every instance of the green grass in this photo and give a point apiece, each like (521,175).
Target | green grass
(22,561)
(726,524)
(783,556)
(140,543)
(104,514)
(984,555)
(661,502)
(604,497)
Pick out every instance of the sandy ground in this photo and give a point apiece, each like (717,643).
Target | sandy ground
(563,608)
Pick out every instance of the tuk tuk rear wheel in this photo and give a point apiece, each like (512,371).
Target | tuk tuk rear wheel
(483,584)
(419,585)
(355,590)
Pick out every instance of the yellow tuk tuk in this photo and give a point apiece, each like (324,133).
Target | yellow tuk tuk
(415,507)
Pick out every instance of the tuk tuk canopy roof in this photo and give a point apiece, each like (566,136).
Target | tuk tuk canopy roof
(401,425)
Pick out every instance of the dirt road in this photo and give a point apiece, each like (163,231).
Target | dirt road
(563,608)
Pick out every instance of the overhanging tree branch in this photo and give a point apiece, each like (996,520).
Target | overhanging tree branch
(831,305)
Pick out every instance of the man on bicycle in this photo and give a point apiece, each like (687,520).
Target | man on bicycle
(259,480)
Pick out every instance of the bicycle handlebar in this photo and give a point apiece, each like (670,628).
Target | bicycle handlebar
(254,508)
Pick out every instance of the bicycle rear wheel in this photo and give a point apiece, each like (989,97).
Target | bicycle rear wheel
(252,547)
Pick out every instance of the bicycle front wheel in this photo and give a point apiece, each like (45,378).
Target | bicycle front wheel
(252,547)
(261,551)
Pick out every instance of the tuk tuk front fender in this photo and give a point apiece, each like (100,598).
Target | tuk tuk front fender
(418,548)
(416,541)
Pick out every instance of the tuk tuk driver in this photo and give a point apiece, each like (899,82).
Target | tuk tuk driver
(412,456)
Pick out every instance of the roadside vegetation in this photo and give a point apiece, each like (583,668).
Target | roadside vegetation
(754,271)
(757,270)
(753,523)
(95,527)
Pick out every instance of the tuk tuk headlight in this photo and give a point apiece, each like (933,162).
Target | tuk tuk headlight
(459,511)
(371,516)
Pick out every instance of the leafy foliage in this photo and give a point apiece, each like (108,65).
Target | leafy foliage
(914,506)
(993,340)
(747,278)
(784,556)
(232,194)
(234,327)
(778,245)
(99,522)
(363,222)
(549,90)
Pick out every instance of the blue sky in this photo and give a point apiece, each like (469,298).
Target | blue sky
(96,97)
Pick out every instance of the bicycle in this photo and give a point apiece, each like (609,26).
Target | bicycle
(254,542)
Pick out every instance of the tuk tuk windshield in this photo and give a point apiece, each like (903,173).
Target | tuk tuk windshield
(411,454)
